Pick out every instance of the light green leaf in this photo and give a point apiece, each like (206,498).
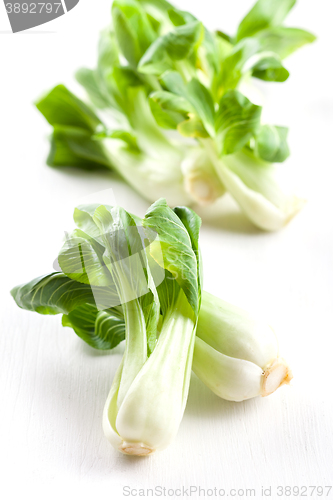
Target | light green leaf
(238,120)
(132,28)
(108,54)
(81,259)
(89,81)
(271,143)
(232,66)
(202,101)
(129,139)
(247,57)
(173,82)
(169,109)
(193,127)
(264,14)
(284,41)
(174,46)
(125,257)
(197,95)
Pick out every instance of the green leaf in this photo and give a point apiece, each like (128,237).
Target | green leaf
(174,46)
(224,36)
(197,95)
(125,256)
(238,120)
(192,223)
(88,78)
(232,66)
(173,82)
(284,41)
(178,255)
(247,57)
(180,17)
(202,101)
(161,5)
(271,143)
(81,259)
(74,147)
(132,28)
(193,127)
(108,55)
(169,109)
(269,68)
(83,218)
(129,139)
(52,294)
(61,107)
(264,14)
(99,329)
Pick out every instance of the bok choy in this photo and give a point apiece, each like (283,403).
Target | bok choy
(139,280)
(168,109)
(118,274)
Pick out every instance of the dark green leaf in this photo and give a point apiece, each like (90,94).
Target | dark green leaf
(52,294)
(99,329)
(74,147)
(269,68)
(178,255)
(192,223)
(224,36)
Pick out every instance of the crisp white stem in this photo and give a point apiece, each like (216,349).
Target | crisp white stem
(235,355)
(235,332)
(253,184)
(200,178)
(135,354)
(152,409)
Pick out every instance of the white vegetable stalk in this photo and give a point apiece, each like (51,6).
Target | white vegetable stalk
(155,171)
(235,355)
(151,176)
(200,178)
(146,418)
(253,184)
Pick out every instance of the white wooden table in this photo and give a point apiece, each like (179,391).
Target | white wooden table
(53,387)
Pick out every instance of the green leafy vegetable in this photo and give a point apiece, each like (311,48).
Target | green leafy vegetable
(173,95)
(113,287)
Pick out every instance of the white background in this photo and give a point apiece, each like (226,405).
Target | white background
(53,387)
